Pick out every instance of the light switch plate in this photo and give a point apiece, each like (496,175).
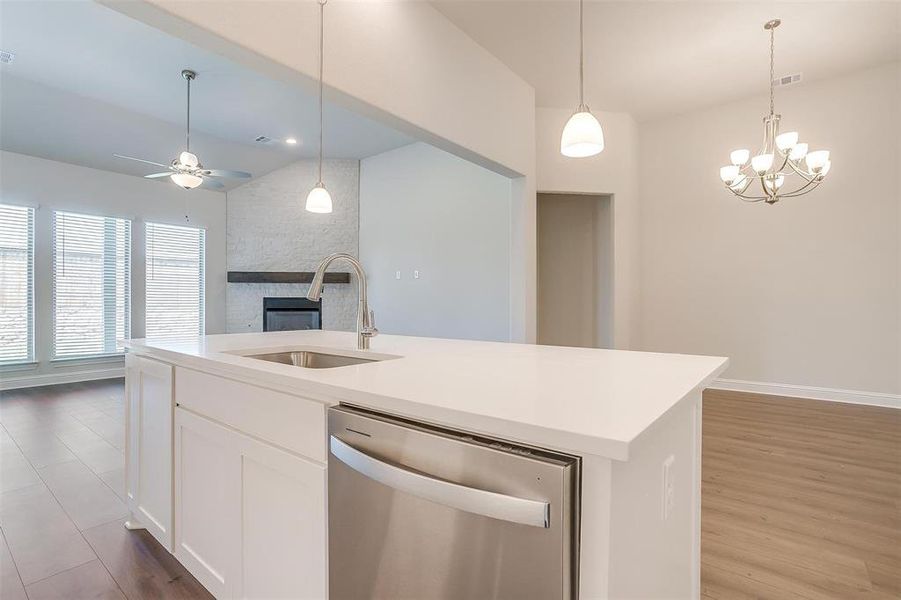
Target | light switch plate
(397,274)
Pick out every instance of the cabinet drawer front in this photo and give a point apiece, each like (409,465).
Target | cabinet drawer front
(290,422)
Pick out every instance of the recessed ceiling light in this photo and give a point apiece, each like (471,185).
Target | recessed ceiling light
(291,141)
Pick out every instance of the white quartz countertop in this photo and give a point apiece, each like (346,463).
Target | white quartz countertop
(586,401)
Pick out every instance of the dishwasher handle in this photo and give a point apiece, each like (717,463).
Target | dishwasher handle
(482,502)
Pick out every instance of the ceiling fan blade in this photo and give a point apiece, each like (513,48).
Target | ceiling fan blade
(212,183)
(155,175)
(149,162)
(224,173)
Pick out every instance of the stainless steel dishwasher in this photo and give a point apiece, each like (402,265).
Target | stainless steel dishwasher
(424,513)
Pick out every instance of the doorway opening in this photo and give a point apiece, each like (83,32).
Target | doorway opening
(575,270)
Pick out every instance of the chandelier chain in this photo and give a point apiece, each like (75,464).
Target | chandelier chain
(188,119)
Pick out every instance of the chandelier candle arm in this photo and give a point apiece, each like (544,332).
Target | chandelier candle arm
(781,155)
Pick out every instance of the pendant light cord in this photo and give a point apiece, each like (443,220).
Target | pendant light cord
(581,59)
(321,57)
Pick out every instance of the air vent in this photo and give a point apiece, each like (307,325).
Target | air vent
(787,80)
(6,57)
(262,139)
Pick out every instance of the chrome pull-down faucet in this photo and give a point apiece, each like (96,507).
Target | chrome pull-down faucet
(365,317)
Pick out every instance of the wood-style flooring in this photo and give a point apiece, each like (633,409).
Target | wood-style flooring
(801,499)
(62,508)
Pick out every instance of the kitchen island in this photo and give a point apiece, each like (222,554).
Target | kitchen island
(227,453)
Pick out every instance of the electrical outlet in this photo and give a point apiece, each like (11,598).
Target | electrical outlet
(669,491)
(415,274)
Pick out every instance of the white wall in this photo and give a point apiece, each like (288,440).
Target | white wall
(424,209)
(613,172)
(269,230)
(50,186)
(804,292)
(401,63)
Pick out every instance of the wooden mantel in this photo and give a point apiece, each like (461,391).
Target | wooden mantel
(283,277)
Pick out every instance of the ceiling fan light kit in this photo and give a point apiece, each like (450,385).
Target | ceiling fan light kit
(319,200)
(186,171)
(582,135)
(781,156)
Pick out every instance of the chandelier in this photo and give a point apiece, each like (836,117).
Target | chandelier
(781,159)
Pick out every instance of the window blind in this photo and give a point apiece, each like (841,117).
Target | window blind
(16,284)
(175,281)
(91,285)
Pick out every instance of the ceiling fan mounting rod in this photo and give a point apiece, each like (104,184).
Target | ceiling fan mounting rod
(189,76)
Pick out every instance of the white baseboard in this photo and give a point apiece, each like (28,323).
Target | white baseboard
(11,381)
(809,392)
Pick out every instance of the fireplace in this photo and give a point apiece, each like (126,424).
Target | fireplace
(291,314)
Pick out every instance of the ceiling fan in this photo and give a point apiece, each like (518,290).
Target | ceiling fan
(186,171)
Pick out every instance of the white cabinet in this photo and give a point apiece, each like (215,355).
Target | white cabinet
(149,408)
(250,519)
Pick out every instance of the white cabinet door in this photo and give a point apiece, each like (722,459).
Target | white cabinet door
(250,519)
(149,445)
(207,492)
(283,524)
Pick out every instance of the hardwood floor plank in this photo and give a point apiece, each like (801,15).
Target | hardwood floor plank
(141,567)
(42,539)
(800,498)
(11,587)
(89,580)
(83,495)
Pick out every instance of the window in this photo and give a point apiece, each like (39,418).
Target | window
(175,281)
(91,285)
(16,284)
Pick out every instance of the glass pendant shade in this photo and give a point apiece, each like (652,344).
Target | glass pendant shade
(786,141)
(762,163)
(798,152)
(817,160)
(775,183)
(319,200)
(186,180)
(188,159)
(740,157)
(825,169)
(582,136)
(729,173)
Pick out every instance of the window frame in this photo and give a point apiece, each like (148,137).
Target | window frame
(109,324)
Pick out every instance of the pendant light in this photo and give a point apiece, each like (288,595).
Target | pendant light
(582,135)
(319,200)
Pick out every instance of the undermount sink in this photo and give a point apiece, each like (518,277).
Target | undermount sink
(312,360)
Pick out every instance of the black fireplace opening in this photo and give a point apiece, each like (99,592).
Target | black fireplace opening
(291,314)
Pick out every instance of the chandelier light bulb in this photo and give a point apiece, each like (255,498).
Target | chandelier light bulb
(798,152)
(740,157)
(786,141)
(817,160)
(319,200)
(762,163)
(186,180)
(729,173)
